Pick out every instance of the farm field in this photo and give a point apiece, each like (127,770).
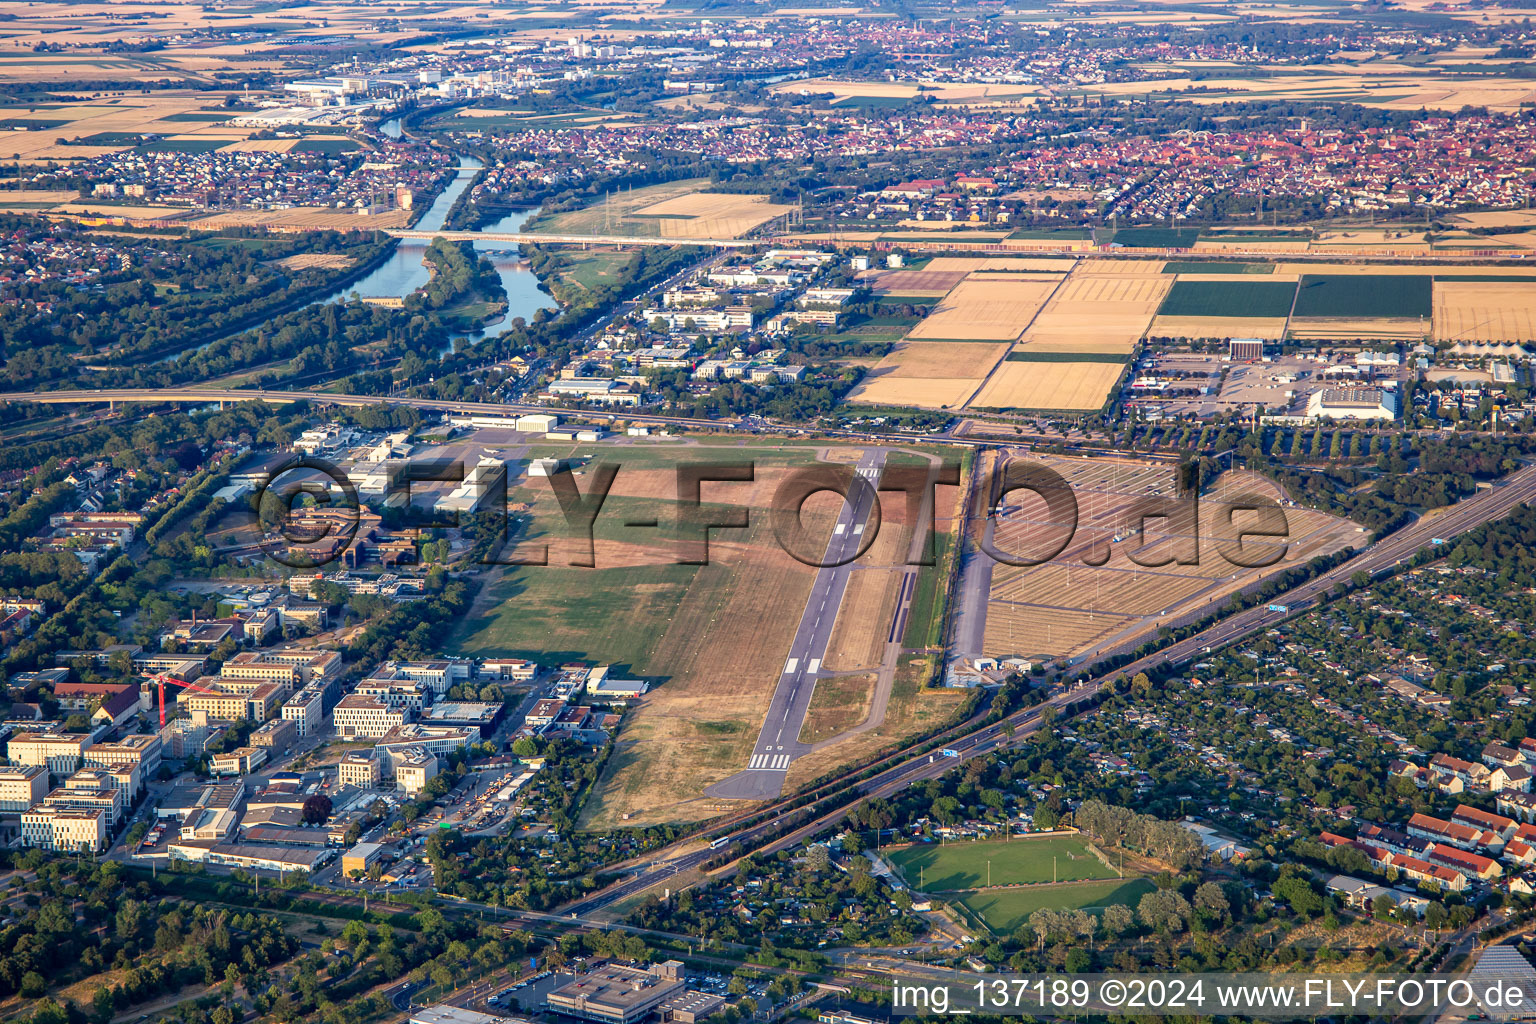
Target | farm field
(1268,328)
(1362,296)
(1006,910)
(1066,607)
(919,392)
(710,214)
(926,282)
(1231,297)
(940,358)
(979,309)
(1051,385)
(959,866)
(677,209)
(1105,306)
(1485,310)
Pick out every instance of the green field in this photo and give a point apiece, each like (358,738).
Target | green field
(1216,267)
(1229,298)
(1004,910)
(183,145)
(1365,295)
(327,146)
(954,867)
(1157,238)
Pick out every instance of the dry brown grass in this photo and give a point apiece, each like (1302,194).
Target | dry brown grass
(309,260)
(863,620)
(912,709)
(837,704)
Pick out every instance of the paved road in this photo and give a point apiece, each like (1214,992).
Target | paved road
(778,744)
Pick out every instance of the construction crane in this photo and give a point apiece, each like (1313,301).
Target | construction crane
(165,677)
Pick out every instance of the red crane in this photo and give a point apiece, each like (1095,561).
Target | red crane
(165,677)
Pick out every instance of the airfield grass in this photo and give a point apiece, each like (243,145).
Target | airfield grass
(1005,910)
(1229,298)
(956,867)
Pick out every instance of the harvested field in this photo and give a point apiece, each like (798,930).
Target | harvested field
(1485,311)
(311,260)
(983,310)
(934,283)
(261,146)
(1049,385)
(1028,264)
(1109,312)
(1270,329)
(1236,296)
(948,263)
(863,620)
(312,218)
(940,359)
(711,214)
(921,392)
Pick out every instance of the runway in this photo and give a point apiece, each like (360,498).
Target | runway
(778,744)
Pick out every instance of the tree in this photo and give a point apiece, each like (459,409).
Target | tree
(317,809)
(1117,919)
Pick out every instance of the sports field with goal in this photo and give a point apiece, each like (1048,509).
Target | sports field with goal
(954,867)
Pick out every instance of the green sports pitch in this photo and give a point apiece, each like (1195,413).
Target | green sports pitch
(955,867)
(1004,910)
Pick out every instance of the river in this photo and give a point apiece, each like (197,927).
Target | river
(404,271)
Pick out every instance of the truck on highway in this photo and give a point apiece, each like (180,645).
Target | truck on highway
(719,842)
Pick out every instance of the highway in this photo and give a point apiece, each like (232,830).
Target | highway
(778,744)
(1484,506)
